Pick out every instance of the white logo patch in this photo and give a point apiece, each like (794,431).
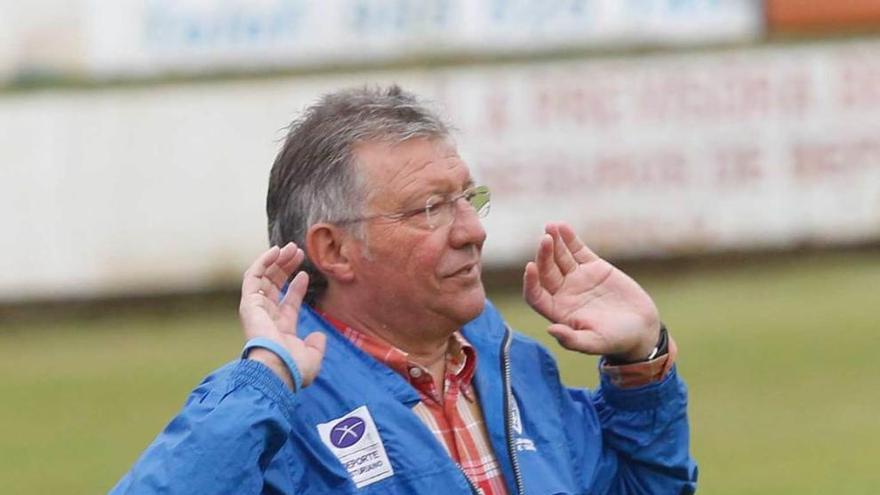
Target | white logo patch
(355,441)
(522,443)
(516,420)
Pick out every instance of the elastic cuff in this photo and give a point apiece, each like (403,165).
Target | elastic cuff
(259,376)
(636,375)
(279,351)
(642,398)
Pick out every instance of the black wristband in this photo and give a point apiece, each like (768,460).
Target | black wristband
(660,349)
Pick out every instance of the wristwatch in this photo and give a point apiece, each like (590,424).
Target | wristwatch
(660,349)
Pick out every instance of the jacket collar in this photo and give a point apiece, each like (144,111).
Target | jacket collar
(484,332)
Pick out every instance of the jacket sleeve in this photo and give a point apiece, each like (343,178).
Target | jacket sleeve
(644,437)
(230,428)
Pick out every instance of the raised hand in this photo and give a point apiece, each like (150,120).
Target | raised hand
(593,307)
(262,314)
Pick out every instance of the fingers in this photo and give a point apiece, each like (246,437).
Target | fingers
(289,309)
(555,258)
(549,274)
(268,274)
(579,250)
(252,280)
(586,341)
(278,273)
(533,292)
(561,253)
(288,260)
(531,287)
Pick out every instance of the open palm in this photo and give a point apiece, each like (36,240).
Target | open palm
(265,313)
(593,307)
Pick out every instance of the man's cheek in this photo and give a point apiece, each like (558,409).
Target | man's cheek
(427,264)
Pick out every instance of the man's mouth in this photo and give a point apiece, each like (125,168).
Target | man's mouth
(467,270)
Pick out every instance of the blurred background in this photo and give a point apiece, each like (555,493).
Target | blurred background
(724,152)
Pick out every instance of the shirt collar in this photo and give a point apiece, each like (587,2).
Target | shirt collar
(461,357)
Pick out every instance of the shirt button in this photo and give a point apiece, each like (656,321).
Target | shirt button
(415,372)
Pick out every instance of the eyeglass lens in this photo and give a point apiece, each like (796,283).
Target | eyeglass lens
(442,212)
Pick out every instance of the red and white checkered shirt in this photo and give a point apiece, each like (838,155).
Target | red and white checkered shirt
(453,415)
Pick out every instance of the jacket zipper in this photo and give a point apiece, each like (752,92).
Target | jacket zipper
(474,489)
(508,414)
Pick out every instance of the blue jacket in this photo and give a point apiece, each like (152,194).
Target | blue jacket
(243,431)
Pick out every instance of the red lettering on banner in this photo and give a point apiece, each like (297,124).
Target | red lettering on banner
(723,93)
(561,173)
(738,166)
(608,96)
(584,98)
(661,168)
(815,161)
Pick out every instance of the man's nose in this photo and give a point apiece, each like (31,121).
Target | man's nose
(467,228)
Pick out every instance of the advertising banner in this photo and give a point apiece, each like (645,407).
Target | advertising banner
(137,38)
(155,189)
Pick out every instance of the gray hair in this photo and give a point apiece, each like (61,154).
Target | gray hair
(314,178)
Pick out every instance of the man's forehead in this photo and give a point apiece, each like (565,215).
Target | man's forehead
(411,163)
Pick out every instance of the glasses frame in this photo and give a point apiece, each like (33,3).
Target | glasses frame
(473,191)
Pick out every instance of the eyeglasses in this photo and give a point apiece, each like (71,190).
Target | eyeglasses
(439,211)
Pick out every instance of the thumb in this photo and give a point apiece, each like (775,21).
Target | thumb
(315,345)
(316,342)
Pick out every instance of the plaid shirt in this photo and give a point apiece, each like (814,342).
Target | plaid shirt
(454,415)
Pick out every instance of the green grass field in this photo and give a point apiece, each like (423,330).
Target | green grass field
(780,358)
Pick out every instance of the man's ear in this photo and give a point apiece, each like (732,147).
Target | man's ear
(328,246)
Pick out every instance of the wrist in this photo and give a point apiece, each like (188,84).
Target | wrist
(287,370)
(273,362)
(648,350)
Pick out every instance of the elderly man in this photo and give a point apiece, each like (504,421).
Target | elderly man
(381,368)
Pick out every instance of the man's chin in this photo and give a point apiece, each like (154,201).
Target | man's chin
(471,306)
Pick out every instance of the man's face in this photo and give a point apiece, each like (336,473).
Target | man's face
(429,277)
